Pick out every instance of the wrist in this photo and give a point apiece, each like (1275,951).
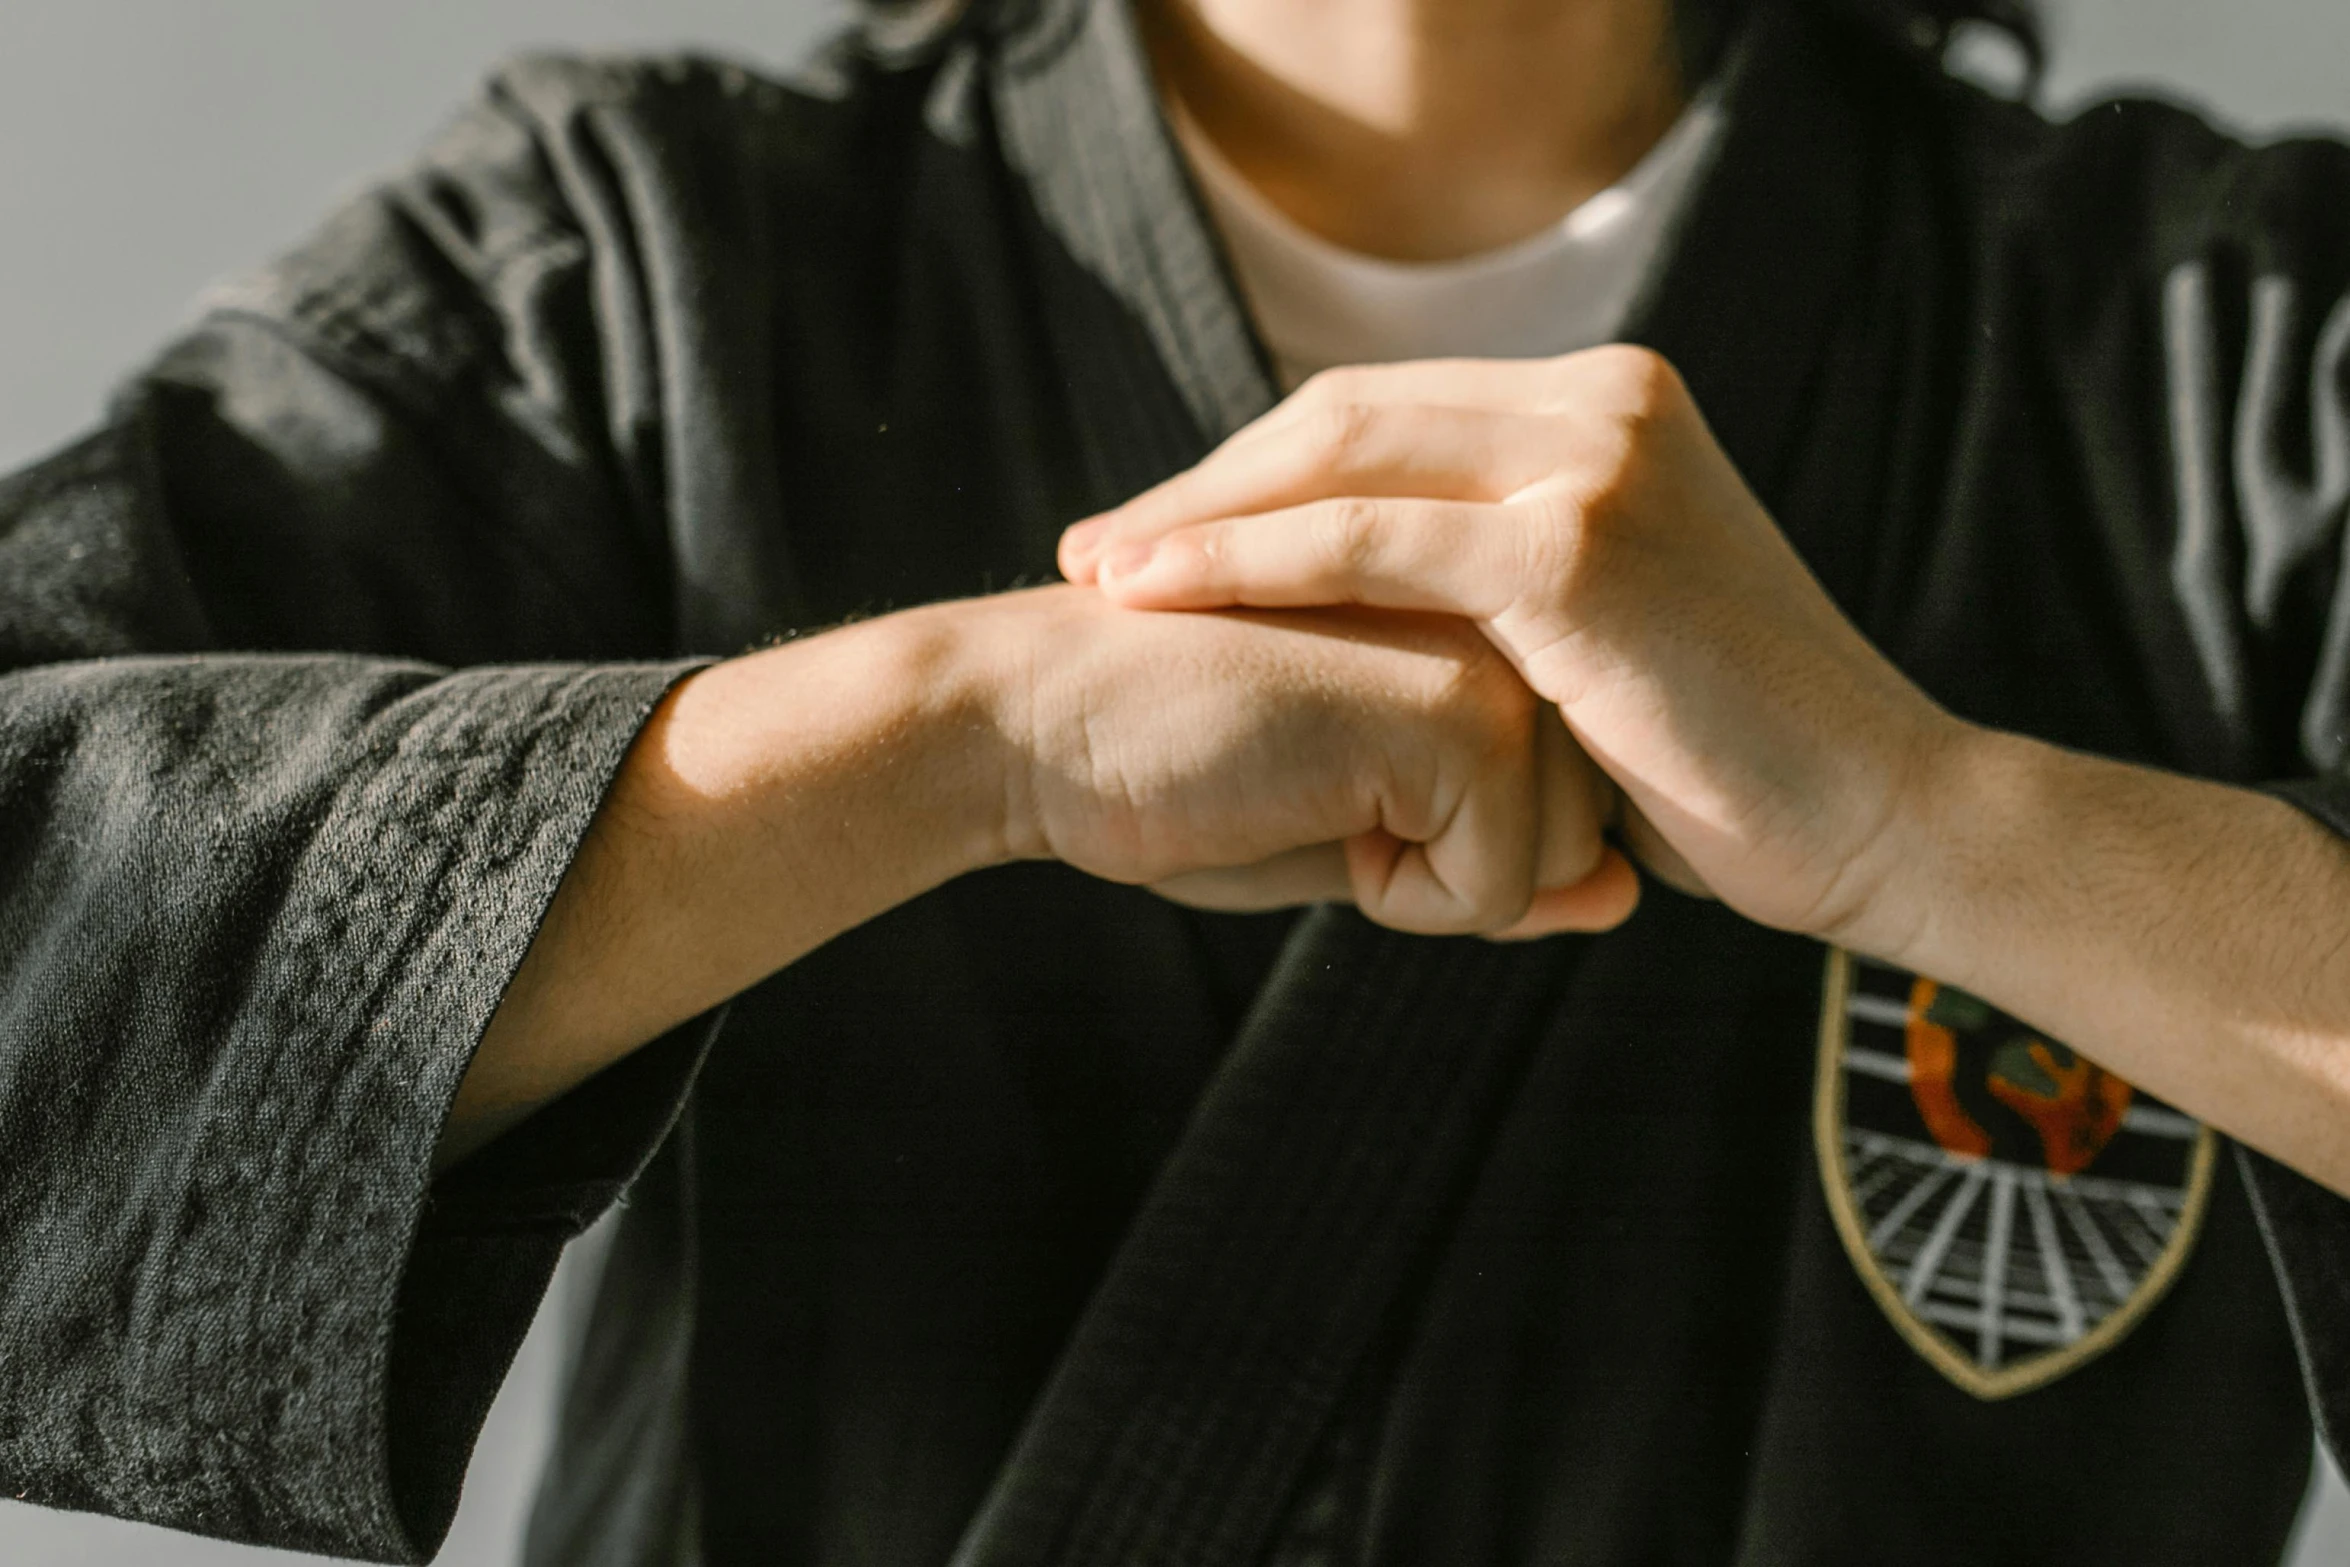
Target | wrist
(875,724)
(988,654)
(1968,836)
(966,677)
(770,803)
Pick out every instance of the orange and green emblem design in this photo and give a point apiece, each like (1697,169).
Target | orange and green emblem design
(2013,1207)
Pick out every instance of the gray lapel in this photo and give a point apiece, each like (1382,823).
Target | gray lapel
(1080,124)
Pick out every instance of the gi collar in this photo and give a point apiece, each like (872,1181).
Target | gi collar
(1079,117)
(1742,307)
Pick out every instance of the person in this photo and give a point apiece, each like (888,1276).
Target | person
(554,689)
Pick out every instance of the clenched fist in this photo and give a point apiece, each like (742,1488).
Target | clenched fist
(1580,513)
(1251,760)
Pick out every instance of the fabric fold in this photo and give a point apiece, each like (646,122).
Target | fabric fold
(284,894)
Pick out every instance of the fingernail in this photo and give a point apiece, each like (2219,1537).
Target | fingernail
(1127,559)
(1079,534)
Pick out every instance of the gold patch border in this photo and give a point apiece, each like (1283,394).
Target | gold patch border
(1828,1144)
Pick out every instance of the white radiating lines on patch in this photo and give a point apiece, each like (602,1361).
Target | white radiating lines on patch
(1947,1231)
(1873,1176)
(1888,1010)
(1876,1063)
(1928,1261)
(2144,1235)
(2109,1267)
(2161,1123)
(2101,1188)
(1911,1201)
(2157,1219)
(2054,1270)
(1995,1246)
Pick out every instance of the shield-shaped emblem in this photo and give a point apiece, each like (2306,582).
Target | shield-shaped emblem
(2013,1207)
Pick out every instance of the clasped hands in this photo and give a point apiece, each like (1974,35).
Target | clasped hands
(1614,644)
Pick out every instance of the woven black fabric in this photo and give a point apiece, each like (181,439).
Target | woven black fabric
(1329,1156)
(317,660)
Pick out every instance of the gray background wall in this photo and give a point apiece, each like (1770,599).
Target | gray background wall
(147,146)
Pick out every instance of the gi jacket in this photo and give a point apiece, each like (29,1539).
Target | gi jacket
(1033,1222)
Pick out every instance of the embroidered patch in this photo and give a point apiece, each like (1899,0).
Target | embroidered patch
(2015,1208)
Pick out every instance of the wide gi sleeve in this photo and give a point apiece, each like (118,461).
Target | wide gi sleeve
(315,664)
(2254,282)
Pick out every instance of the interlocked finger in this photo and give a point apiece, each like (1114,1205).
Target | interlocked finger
(1578,804)
(1582,883)
(1447,557)
(1474,872)
(1347,449)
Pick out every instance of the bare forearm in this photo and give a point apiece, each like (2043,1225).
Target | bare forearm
(775,801)
(771,803)
(2192,937)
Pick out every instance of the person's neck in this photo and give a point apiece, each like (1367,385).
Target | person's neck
(1422,129)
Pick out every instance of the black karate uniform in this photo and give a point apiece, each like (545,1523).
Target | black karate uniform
(1040,1220)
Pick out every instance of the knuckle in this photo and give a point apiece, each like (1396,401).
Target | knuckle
(1206,551)
(1339,384)
(1346,533)
(1554,552)
(1641,382)
(1338,432)
(1503,892)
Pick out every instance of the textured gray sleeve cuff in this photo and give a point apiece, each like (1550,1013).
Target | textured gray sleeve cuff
(283,897)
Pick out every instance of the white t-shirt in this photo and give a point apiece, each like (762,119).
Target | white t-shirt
(1570,286)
